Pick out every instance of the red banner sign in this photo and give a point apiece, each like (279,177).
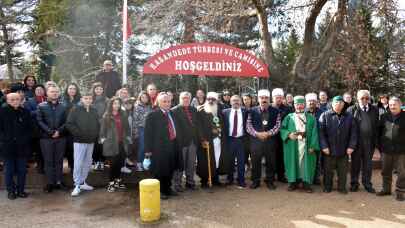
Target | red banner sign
(208,59)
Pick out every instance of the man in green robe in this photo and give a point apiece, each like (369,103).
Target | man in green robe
(300,138)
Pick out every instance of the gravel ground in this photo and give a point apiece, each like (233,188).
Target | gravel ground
(221,207)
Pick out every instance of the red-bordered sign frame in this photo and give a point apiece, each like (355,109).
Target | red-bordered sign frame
(206,59)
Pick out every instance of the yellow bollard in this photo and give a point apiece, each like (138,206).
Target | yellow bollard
(149,199)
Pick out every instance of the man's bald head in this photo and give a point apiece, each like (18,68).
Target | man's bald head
(14,100)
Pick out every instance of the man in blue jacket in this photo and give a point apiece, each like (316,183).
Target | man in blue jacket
(51,117)
(338,139)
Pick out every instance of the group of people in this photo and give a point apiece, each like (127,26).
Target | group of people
(300,138)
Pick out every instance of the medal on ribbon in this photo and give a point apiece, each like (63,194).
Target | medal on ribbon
(215,120)
(265,122)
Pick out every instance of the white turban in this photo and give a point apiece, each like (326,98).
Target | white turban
(212,95)
(277,92)
(263,93)
(311,97)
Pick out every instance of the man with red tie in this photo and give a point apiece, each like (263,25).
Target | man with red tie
(160,144)
(234,128)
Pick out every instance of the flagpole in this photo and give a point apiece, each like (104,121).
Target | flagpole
(124,41)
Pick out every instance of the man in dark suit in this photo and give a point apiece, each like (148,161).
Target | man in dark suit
(234,129)
(186,118)
(160,144)
(366,117)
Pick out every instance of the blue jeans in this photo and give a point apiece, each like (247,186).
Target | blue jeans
(141,144)
(15,166)
(235,146)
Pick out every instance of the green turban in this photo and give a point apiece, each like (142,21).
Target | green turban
(299,100)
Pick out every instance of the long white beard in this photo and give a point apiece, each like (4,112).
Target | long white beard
(213,109)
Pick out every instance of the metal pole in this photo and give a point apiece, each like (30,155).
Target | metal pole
(124,42)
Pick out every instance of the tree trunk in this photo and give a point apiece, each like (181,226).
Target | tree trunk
(190,81)
(309,64)
(266,43)
(264,33)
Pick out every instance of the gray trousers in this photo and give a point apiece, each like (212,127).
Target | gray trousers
(83,157)
(189,157)
(53,151)
(389,162)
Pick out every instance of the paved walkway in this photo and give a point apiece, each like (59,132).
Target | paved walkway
(225,207)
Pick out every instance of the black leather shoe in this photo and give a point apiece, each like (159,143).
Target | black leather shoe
(308,188)
(172,193)
(255,185)
(343,191)
(241,185)
(190,187)
(370,190)
(217,183)
(282,180)
(163,196)
(354,188)
(204,185)
(271,186)
(327,190)
(292,187)
(61,186)
(229,183)
(179,189)
(400,197)
(11,196)
(383,193)
(22,195)
(48,188)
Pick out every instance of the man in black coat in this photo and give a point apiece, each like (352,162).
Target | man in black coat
(51,117)
(109,78)
(160,144)
(366,117)
(15,136)
(338,140)
(278,97)
(392,145)
(215,162)
(186,119)
(235,132)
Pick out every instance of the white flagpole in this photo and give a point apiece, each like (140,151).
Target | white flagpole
(124,41)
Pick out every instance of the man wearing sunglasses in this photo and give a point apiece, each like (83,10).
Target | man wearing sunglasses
(366,117)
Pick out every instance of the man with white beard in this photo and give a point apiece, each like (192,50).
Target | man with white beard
(210,126)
